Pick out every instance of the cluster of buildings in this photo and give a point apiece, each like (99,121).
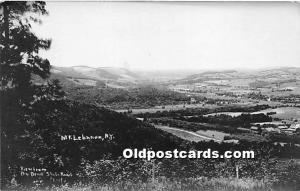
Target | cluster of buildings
(292,129)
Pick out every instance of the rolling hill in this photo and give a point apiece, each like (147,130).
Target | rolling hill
(88,76)
(264,77)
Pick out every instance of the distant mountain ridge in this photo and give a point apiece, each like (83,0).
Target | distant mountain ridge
(85,75)
(283,73)
(101,73)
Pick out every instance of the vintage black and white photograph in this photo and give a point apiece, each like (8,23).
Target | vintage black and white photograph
(150,96)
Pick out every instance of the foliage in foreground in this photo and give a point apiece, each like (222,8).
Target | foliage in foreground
(176,174)
(192,184)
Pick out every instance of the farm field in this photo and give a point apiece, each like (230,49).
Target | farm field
(188,135)
(166,108)
(214,134)
(283,112)
(232,114)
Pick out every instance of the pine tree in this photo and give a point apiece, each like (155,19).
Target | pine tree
(19,46)
(19,60)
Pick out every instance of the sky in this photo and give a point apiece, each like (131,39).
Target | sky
(173,35)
